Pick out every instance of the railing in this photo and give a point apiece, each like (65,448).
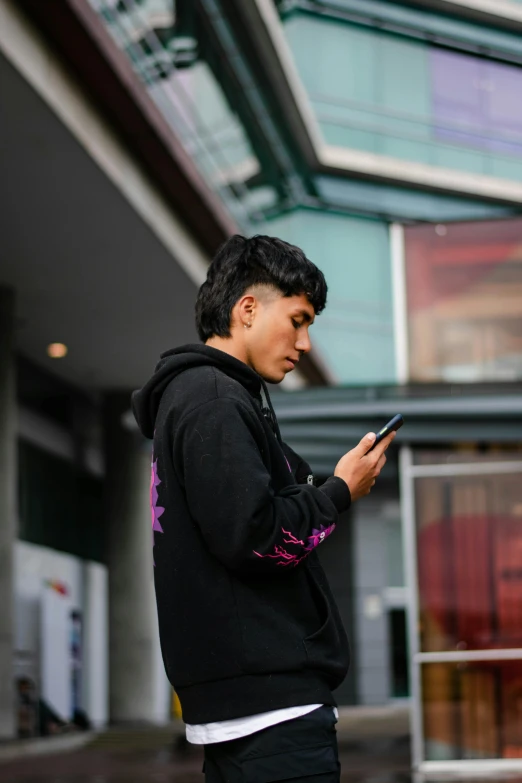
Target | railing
(426,122)
(433,134)
(222,152)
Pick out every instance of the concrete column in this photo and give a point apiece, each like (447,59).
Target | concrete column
(370,581)
(138,689)
(95,674)
(8,526)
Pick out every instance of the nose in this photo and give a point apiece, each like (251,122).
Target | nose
(303,344)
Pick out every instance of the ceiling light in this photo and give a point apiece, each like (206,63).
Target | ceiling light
(57,350)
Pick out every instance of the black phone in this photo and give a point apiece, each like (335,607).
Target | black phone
(392,426)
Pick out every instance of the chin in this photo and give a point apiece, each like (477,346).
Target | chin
(273,377)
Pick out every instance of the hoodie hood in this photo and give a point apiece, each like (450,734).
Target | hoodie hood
(145,402)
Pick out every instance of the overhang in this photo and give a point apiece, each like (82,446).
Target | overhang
(267,45)
(106,75)
(107,226)
(322,424)
(97,257)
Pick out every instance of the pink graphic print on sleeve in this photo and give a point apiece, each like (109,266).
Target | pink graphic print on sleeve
(285,558)
(156,511)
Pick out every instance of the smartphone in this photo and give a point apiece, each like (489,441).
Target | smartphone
(393,425)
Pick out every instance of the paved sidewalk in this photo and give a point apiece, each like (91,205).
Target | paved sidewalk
(374,722)
(374,744)
(44,746)
(158,754)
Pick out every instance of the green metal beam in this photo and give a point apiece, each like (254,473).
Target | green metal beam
(403,204)
(421,24)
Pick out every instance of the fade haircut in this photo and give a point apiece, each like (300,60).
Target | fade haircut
(241,263)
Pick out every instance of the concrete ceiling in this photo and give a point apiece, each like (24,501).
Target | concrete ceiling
(87,270)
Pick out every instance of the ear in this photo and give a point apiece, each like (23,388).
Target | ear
(245,309)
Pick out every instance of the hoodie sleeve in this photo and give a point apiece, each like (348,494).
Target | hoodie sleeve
(245,523)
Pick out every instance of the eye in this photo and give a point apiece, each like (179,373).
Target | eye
(295,324)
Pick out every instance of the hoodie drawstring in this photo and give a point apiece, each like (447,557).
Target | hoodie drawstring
(269,412)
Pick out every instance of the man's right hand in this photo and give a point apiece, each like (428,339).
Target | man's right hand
(360,469)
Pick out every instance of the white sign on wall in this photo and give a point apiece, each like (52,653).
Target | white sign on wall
(55,628)
(87,586)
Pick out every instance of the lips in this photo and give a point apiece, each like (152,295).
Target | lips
(293,362)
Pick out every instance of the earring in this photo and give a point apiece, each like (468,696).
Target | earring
(247,326)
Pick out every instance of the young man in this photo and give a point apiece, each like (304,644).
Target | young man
(251,637)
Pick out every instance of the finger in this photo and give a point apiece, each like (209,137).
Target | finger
(365,444)
(381,463)
(383,445)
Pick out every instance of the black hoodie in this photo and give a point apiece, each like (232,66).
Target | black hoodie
(247,620)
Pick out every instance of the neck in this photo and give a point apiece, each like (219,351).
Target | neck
(230,346)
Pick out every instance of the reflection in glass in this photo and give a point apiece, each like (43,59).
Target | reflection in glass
(464,294)
(469,553)
(472,710)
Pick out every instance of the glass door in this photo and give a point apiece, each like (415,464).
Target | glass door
(463,539)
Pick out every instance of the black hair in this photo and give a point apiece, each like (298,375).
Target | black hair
(241,263)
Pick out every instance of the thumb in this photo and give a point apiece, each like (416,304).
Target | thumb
(366,443)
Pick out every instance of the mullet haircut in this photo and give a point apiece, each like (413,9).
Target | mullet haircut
(241,263)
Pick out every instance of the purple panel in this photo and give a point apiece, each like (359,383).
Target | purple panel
(456,97)
(504,103)
(476,102)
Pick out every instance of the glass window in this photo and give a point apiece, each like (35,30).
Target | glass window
(460,111)
(476,101)
(193,102)
(189,95)
(59,506)
(469,557)
(471,710)
(464,298)
(354,335)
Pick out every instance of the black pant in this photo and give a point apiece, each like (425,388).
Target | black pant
(303,749)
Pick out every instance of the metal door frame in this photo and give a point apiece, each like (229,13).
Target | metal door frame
(408,473)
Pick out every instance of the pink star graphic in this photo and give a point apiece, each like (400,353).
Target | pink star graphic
(156,511)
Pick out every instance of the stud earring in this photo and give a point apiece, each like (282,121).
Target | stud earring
(247,326)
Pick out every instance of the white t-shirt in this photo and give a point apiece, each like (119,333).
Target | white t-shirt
(225,730)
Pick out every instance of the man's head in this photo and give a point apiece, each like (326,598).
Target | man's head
(259,298)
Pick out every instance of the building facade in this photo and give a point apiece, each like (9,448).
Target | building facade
(385,138)
(107,231)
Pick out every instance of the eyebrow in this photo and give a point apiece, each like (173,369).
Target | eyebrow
(306,316)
